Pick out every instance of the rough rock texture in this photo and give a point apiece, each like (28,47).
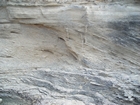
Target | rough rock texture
(70,52)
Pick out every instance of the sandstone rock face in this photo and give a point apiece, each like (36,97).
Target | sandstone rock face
(70,52)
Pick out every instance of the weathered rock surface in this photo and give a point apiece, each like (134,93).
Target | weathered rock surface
(70,52)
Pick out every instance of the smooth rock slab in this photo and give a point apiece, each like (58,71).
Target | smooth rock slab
(70,54)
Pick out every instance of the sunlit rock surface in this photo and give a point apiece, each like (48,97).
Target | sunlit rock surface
(70,52)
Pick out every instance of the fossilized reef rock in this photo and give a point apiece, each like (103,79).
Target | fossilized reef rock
(70,52)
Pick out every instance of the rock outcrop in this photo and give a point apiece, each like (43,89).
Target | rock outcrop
(70,52)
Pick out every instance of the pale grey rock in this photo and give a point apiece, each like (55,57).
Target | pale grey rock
(70,52)
(0,100)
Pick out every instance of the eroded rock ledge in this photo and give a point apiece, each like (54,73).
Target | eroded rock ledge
(70,52)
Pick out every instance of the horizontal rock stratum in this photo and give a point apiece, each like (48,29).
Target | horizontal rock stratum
(70,52)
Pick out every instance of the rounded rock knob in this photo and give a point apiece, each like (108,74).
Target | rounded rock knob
(0,100)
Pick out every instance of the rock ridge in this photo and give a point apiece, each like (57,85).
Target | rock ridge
(69,52)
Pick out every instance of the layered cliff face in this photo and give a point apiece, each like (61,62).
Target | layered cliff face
(69,52)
